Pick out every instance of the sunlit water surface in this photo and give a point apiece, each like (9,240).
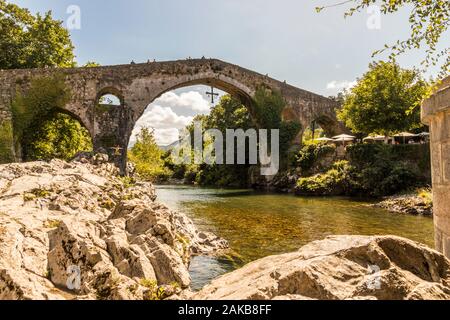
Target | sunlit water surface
(262,224)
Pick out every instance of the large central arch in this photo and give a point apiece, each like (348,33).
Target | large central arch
(137,85)
(243,93)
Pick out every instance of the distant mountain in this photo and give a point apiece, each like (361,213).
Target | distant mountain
(170,146)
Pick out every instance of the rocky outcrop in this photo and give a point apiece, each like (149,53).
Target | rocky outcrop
(79,231)
(340,267)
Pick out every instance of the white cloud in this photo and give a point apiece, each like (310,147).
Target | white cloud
(191,99)
(161,116)
(165,122)
(340,85)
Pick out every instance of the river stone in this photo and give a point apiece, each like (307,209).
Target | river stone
(340,267)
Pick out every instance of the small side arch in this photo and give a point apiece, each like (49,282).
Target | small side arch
(113,92)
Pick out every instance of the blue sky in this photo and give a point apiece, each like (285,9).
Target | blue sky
(286,38)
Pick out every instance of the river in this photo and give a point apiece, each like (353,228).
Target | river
(260,224)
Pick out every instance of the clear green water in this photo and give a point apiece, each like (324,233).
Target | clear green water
(261,224)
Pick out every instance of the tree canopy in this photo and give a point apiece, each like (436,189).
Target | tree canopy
(385,100)
(146,155)
(60,136)
(39,128)
(32,41)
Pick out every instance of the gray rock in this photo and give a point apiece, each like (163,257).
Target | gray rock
(58,217)
(341,267)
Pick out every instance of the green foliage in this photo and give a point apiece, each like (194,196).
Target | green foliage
(335,181)
(229,113)
(309,154)
(369,153)
(43,96)
(60,136)
(221,176)
(428,20)
(372,170)
(147,157)
(385,100)
(43,132)
(268,106)
(154,292)
(6,142)
(308,135)
(426,195)
(32,41)
(91,64)
(387,169)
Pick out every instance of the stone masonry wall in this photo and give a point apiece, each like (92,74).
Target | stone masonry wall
(436,114)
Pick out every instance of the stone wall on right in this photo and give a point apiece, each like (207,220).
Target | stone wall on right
(436,114)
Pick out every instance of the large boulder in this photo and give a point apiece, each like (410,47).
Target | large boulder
(79,231)
(341,267)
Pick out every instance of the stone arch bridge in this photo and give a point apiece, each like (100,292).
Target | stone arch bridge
(137,85)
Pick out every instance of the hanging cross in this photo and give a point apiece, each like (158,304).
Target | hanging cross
(212,94)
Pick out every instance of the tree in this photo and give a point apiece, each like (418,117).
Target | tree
(32,41)
(385,100)
(229,113)
(147,156)
(34,106)
(429,20)
(60,136)
(268,106)
(39,129)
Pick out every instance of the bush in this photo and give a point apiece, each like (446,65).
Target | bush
(426,195)
(388,169)
(335,181)
(222,175)
(308,156)
(400,178)
(380,179)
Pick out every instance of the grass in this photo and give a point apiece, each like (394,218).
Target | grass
(40,193)
(127,182)
(51,224)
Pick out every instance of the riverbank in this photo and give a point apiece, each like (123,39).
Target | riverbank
(415,203)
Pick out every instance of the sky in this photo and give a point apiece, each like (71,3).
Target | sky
(287,39)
